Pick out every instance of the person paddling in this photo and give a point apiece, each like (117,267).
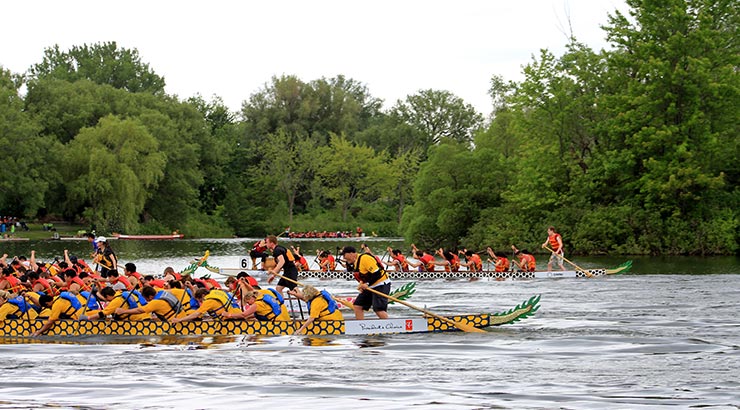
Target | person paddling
(285,260)
(321,306)
(556,246)
(372,276)
(526,262)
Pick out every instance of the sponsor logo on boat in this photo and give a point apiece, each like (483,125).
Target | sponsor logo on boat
(382,326)
(409,325)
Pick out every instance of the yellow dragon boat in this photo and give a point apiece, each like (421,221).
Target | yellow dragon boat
(22,328)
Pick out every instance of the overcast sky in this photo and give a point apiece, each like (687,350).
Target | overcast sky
(232,48)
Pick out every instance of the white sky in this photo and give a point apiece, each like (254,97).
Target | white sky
(232,48)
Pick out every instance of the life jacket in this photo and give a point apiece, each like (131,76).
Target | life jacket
(137,275)
(157,283)
(45,283)
(404,263)
(332,263)
(92,301)
(175,305)
(222,297)
(257,248)
(454,265)
(15,283)
(553,239)
(303,264)
(274,304)
(428,263)
(370,277)
(214,283)
(81,283)
(125,281)
(133,298)
(332,305)
(530,264)
(21,304)
(502,264)
(73,301)
(194,305)
(477,262)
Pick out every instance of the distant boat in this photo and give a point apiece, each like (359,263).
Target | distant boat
(13,239)
(150,237)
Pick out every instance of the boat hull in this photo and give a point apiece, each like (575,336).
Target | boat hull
(416,275)
(150,237)
(15,328)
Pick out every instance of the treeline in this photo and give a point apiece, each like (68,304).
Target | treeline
(630,150)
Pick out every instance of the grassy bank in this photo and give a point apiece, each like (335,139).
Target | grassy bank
(36,231)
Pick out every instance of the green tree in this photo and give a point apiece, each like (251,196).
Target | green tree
(439,115)
(110,171)
(101,63)
(287,166)
(25,174)
(673,124)
(351,173)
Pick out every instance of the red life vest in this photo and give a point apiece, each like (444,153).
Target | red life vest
(47,286)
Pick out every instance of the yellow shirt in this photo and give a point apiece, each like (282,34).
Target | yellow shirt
(184,298)
(8,309)
(120,302)
(62,306)
(264,309)
(216,305)
(319,310)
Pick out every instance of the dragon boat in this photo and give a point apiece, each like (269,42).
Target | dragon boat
(149,237)
(20,328)
(430,275)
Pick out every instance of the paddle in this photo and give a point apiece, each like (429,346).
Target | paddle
(340,300)
(588,274)
(462,326)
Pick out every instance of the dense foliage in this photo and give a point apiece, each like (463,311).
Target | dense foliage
(627,150)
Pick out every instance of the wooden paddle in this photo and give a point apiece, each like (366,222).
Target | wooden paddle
(588,274)
(462,326)
(340,300)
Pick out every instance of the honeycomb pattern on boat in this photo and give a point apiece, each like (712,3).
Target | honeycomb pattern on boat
(416,275)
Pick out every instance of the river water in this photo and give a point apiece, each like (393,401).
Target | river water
(656,338)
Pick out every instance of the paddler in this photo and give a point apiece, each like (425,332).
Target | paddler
(17,307)
(321,306)
(163,304)
(501,263)
(370,275)
(65,306)
(526,259)
(556,244)
(473,261)
(115,300)
(285,261)
(213,302)
(263,307)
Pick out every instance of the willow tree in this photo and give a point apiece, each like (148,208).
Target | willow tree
(110,170)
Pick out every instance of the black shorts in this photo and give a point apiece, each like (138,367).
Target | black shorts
(254,254)
(291,274)
(378,303)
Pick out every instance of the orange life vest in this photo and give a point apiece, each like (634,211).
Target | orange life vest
(553,239)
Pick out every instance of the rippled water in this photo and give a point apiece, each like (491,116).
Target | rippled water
(623,342)
(635,341)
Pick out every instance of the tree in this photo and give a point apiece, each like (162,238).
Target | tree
(673,119)
(25,174)
(110,171)
(350,173)
(439,115)
(101,63)
(287,166)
